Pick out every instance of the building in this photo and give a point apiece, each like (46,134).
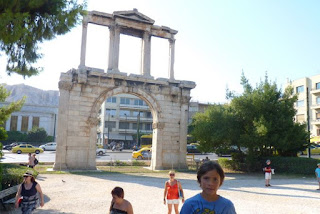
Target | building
(40,109)
(195,107)
(121,117)
(308,90)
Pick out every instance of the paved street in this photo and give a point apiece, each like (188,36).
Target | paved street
(49,156)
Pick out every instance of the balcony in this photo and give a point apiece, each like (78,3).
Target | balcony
(135,118)
(315,122)
(315,106)
(134,131)
(315,91)
(133,107)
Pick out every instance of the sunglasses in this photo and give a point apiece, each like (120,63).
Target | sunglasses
(171,174)
(25,176)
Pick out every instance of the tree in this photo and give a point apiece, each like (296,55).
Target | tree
(260,119)
(5,111)
(37,135)
(26,23)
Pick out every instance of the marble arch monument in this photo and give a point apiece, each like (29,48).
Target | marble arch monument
(83,90)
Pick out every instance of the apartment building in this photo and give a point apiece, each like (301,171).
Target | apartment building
(308,90)
(121,117)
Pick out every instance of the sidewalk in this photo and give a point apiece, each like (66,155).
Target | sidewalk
(91,193)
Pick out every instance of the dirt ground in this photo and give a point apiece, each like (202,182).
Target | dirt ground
(90,193)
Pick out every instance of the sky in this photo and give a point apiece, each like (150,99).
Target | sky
(217,40)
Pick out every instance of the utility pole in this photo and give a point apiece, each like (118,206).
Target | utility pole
(138,127)
(308,124)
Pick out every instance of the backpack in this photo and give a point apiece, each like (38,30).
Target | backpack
(36,161)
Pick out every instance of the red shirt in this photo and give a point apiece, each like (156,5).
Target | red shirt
(172,191)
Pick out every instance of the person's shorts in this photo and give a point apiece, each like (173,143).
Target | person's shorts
(267,175)
(318,179)
(172,201)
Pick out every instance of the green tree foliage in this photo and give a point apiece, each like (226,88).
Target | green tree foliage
(37,135)
(260,119)
(5,111)
(26,23)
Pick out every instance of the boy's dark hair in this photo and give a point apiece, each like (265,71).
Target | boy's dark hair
(208,166)
(118,191)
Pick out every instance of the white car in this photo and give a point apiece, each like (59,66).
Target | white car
(49,146)
(101,151)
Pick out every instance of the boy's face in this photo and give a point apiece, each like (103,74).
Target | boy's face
(210,182)
(269,162)
(318,166)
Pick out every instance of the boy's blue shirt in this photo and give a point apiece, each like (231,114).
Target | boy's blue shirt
(318,172)
(198,205)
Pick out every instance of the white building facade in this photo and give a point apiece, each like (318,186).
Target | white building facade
(308,104)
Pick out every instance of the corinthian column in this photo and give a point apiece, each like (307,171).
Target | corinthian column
(146,54)
(171,58)
(83,43)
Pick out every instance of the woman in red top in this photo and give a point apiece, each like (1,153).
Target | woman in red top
(171,193)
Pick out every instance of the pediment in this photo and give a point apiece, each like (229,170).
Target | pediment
(133,15)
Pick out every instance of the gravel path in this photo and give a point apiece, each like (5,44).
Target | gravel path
(91,193)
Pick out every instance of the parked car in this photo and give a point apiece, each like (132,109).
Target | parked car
(315,150)
(9,147)
(26,148)
(227,151)
(141,154)
(101,151)
(49,146)
(192,149)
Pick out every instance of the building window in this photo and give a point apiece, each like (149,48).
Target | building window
(110,124)
(112,100)
(111,112)
(125,101)
(123,125)
(35,122)
(148,126)
(318,115)
(300,89)
(148,114)
(24,123)
(318,85)
(318,100)
(135,126)
(318,132)
(300,103)
(138,102)
(124,112)
(14,123)
(300,118)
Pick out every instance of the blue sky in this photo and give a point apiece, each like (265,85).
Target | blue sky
(216,40)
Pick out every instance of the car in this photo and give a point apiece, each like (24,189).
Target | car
(9,147)
(142,153)
(227,151)
(101,151)
(192,149)
(315,150)
(49,146)
(26,148)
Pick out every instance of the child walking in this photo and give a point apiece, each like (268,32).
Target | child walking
(317,171)
(210,177)
(267,173)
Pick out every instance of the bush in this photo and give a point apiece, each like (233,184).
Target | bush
(12,174)
(292,165)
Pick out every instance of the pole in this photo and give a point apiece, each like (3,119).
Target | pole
(125,130)
(108,129)
(54,128)
(308,124)
(138,127)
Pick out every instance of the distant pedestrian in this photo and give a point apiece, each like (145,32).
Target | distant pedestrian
(317,171)
(206,159)
(31,159)
(172,192)
(267,173)
(118,204)
(29,191)
(210,177)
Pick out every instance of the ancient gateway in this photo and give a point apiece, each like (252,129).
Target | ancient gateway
(83,90)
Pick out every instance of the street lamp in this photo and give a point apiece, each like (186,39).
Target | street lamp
(138,127)
(125,130)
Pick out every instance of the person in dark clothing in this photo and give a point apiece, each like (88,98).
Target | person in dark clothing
(28,191)
(118,204)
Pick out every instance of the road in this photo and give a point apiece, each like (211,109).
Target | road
(49,156)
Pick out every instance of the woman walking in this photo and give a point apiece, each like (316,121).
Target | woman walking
(28,191)
(118,204)
(171,193)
